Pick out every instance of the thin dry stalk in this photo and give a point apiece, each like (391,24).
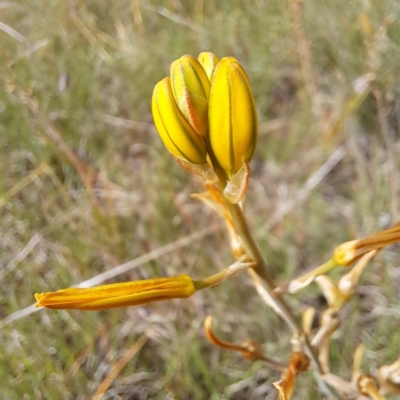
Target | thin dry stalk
(393,177)
(305,59)
(117,368)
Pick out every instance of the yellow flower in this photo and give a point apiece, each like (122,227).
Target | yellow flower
(118,294)
(232,116)
(191,89)
(208,61)
(175,131)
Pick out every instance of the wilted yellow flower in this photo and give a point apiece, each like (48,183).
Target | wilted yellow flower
(298,362)
(250,349)
(368,386)
(389,378)
(191,89)
(348,252)
(118,294)
(208,61)
(232,116)
(175,131)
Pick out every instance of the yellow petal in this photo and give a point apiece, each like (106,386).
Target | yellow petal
(178,136)
(118,294)
(208,61)
(232,116)
(191,89)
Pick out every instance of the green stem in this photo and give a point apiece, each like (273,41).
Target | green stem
(239,220)
(261,267)
(242,228)
(219,277)
(249,243)
(322,269)
(261,270)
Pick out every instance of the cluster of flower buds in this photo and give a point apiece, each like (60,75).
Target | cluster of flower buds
(205,114)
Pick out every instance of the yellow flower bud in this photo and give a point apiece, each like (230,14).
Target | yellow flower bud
(208,61)
(118,294)
(191,89)
(232,116)
(178,136)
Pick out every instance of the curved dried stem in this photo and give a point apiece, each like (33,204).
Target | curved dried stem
(249,348)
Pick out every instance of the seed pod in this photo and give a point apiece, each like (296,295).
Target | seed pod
(191,89)
(208,61)
(178,136)
(232,116)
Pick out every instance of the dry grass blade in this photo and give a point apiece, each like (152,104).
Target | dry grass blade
(86,173)
(89,36)
(12,32)
(389,143)
(23,182)
(123,122)
(117,368)
(21,255)
(300,196)
(305,58)
(174,17)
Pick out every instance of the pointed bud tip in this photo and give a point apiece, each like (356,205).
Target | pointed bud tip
(39,297)
(208,61)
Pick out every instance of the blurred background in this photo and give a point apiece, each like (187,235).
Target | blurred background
(87,186)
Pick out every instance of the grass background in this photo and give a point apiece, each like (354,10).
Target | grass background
(86,185)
